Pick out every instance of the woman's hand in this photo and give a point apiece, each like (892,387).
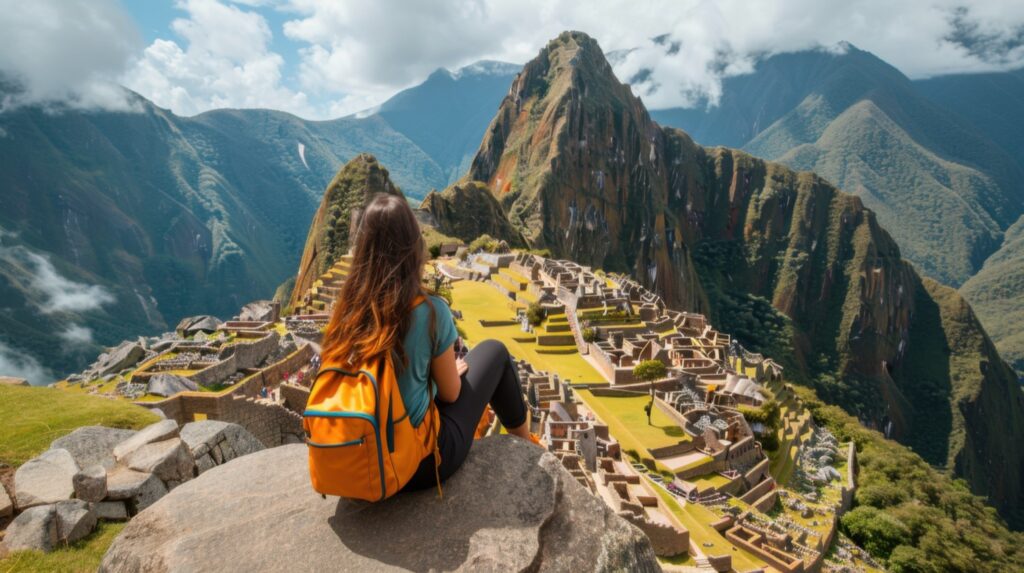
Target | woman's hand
(461,367)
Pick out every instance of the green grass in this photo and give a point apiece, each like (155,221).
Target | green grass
(83,556)
(710,480)
(628,423)
(34,417)
(698,519)
(480,301)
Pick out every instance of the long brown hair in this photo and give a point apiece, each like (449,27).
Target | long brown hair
(372,313)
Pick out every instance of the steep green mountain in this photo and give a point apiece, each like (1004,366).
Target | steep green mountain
(329,234)
(994,102)
(944,187)
(447,114)
(168,216)
(997,294)
(783,259)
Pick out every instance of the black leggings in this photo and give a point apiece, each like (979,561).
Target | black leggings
(491,379)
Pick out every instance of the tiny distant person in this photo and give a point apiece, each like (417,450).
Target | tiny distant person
(384,308)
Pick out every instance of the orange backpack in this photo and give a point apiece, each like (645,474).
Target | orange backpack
(362,444)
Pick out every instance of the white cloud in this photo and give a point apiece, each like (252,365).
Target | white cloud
(63,294)
(221,58)
(361,52)
(21,365)
(59,293)
(69,52)
(354,54)
(77,335)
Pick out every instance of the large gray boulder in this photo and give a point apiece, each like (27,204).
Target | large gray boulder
(511,507)
(169,460)
(46,479)
(213,442)
(195,324)
(34,528)
(168,385)
(92,445)
(75,520)
(162,430)
(127,354)
(258,311)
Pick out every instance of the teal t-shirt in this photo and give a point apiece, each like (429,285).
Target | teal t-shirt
(412,382)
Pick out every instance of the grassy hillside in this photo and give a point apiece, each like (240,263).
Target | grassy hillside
(34,417)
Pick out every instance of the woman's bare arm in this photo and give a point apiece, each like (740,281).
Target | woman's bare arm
(446,371)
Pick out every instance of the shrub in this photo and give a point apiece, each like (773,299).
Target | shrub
(535,314)
(483,243)
(589,335)
(876,531)
(881,495)
(435,251)
(650,370)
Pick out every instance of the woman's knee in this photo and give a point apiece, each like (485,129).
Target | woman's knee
(494,349)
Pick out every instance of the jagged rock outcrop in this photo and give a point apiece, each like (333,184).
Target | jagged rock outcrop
(511,507)
(470,210)
(783,260)
(354,185)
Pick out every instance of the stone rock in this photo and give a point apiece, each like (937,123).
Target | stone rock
(46,479)
(168,385)
(127,354)
(218,441)
(205,462)
(91,483)
(6,504)
(13,381)
(203,323)
(511,507)
(112,511)
(162,430)
(75,520)
(92,445)
(258,311)
(140,489)
(35,528)
(167,460)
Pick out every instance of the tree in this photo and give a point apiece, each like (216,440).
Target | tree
(649,371)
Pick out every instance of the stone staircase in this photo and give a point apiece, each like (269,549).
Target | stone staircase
(320,297)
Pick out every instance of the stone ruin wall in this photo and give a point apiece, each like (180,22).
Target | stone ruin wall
(268,422)
(666,540)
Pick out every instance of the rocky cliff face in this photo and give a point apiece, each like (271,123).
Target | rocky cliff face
(469,210)
(783,259)
(329,234)
(510,507)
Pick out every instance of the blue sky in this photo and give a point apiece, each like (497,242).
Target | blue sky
(326,58)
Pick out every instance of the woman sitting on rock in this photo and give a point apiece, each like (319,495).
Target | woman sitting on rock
(382,308)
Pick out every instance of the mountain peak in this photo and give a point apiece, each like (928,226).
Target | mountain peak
(354,185)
